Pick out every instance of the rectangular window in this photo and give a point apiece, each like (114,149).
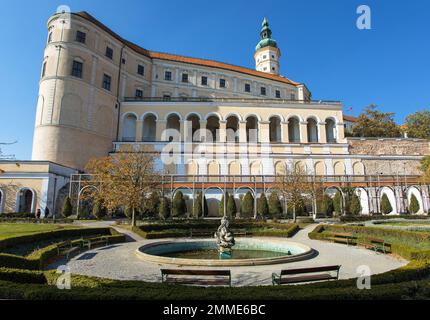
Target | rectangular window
(168,76)
(166,97)
(107,80)
(140,70)
(204,81)
(109,52)
(139,93)
(263,91)
(77,69)
(222,83)
(50,37)
(185,77)
(81,36)
(278,94)
(247,87)
(44,69)
(292,96)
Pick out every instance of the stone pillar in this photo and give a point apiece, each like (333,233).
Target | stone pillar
(139,130)
(242,132)
(304,132)
(222,131)
(187,131)
(322,138)
(161,127)
(203,124)
(340,132)
(285,135)
(264,132)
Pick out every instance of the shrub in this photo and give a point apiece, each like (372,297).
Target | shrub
(337,203)
(247,208)
(150,207)
(275,206)
(386,207)
(197,208)
(221,205)
(355,205)
(414,206)
(327,205)
(179,207)
(99,211)
(22,276)
(231,207)
(164,209)
(263,206)
(67,209)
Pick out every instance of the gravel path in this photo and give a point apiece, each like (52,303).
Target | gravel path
(120,262)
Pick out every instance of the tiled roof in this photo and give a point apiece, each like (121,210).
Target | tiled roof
(350,118)
(177,58)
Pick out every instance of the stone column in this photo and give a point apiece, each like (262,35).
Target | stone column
(264,132)
(242,132)
(285,134)
(340,131)
(161,127)
(203,124)
(321,132)
(222,131)
(304,132)
(139,130)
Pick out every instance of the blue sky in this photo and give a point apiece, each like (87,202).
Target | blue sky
(321,46)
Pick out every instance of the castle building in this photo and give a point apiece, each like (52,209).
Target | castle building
(100,94)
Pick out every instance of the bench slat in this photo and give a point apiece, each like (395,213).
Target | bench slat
(197,281)
(310,270)
(196,272)
(309,278)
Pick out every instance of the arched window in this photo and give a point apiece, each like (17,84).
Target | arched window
(129,128)
(174,127)
(330,128)
(193,125)
(232,129)
(275,129)
(25,201)
(213,127)
(312,131)
(149,128)
(294,130)
(252,129)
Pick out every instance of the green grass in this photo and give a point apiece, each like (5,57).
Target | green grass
(11,230)
(405,223)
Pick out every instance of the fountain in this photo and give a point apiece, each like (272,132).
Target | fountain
(224,239)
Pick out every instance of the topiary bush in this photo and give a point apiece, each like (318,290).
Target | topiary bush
(164,209)
(386,207)
(337,203)
(262,206)
(67,209)
(355,205)
(231,207)
(414,205)
(197,208)
(326,206)
(99,211)
(179,207)
(221,205)
(247,208)
(275,206)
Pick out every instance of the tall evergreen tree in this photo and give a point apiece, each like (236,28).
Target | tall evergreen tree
(337,203)
(247,208)
(67,209)
(179,207)
(414,205)
(275,206)
(386,207)
(197,209)
(327,205)
(164,208)
(262,206)
(221,205)
(355,205)
(231,207)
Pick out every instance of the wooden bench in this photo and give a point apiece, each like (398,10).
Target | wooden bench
(196,277)
(66,249)
(103,240)
(378,245)
(346,238)
(306,275)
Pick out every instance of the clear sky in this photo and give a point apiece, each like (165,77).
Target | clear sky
(321,47)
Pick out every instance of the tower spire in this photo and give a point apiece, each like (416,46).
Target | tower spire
(267,52)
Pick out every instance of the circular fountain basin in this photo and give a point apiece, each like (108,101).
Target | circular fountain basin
(249,252)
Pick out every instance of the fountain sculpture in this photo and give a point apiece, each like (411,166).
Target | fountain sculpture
(225,239)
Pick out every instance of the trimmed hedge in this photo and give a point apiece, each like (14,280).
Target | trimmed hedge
(40,258)
(185,229)
(407,252)
(22,276)
(381,217)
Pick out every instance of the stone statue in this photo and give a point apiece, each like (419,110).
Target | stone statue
(225,238)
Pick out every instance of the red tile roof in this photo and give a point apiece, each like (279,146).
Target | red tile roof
(350,118)
(177,58)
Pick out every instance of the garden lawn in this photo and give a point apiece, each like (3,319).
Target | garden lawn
(11,230)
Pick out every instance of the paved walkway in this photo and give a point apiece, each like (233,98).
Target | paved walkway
(120,262)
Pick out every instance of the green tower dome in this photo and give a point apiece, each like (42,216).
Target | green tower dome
(266,34)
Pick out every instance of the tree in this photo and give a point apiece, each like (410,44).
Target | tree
(275,206)
(221,205)
(197,209)
(337,203)
(386,207)
(231,207)
(67,209)
(414,205)
(374,123)
(425,168)
(150,206)
(326,205)
(417,125)
(125,180)
(247,208)
(293,185)
(262,206)
(99,211)
(179,207)
(164,208)
(355,205)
